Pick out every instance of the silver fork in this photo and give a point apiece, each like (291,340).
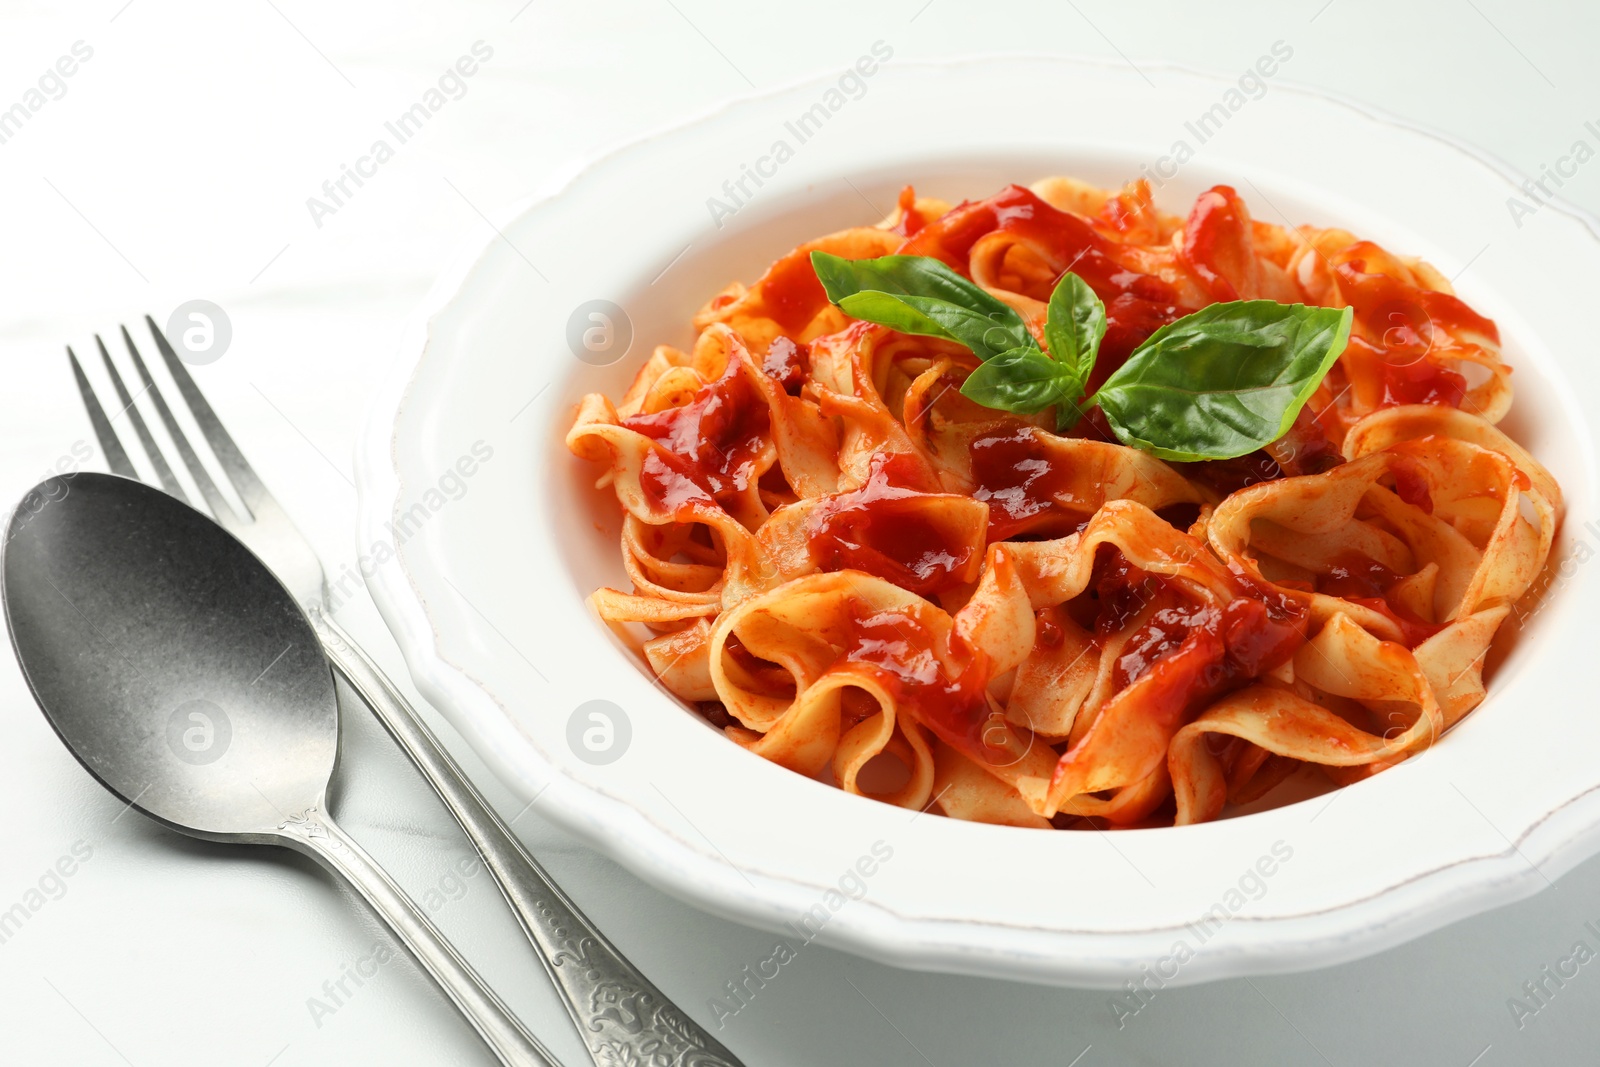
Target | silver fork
(621,1016)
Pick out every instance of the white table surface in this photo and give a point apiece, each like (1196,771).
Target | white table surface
(177,164)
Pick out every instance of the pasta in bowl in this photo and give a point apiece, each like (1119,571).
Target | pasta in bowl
(490,596)
(1053,509)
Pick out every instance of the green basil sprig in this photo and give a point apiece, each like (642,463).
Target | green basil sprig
(1216,384)
(1073,328)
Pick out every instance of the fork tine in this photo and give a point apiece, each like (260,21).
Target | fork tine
(251,491)
(220,508)
(116,457)
(147,442)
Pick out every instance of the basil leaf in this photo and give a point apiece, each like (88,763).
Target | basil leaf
(1073,331)
(931,318)
(1223,381)
(1024,380)
(902,276)
(921,295)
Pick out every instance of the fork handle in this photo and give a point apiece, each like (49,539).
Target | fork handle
(617,1010)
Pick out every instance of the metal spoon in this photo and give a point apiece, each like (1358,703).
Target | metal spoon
(186,679)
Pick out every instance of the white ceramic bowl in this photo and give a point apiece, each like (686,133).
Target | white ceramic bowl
(486,589)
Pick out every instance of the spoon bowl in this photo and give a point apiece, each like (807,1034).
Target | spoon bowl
(187,679)
(168,658)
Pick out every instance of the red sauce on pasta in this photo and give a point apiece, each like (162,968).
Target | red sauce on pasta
(1355,575)
(1413,631)
(787,362)
(1391,307)
(911,220)
(792,293)
(1411,485)
(1213,648)
(902,655)
(1227,476)
(1188,654)
(714,439)
(1130,320)
(1405,331)
(891,530)
(1422,382)
(1363,580)
(1017,479)
(1122,591)
(1216,241)
(670,486)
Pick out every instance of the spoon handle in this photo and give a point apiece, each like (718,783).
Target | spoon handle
(618,1011)
(315,834)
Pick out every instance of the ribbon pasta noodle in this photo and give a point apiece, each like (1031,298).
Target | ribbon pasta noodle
(860,574)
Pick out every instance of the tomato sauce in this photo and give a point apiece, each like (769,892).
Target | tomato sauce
(1363,580)
(1022,485)
(1354,575)
(899,651)
(1228,476)
(1130,320)
(1392,307)
(1194,653)
(792,293)
(1411,485)
(1422,382)
(1217,241)
(1404,328)
(1188,652)
(885,529)
(911,220)
(787,362)
(669,485)
(710,444)
(1121,590)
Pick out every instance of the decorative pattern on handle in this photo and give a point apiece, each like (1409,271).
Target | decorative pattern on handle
(308,824)
(623,1019)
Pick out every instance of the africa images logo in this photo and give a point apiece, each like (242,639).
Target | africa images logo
(851,85)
